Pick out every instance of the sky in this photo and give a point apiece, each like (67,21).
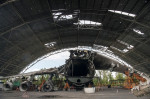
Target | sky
(51,61)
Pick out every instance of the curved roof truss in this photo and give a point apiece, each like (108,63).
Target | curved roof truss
(28,25)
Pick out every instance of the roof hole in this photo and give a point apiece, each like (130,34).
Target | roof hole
(88,22)
(50,45)
(138,32)
(122,13)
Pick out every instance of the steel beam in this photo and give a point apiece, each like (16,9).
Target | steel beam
(19,15)
(8,63)
(59,36)
(141,12)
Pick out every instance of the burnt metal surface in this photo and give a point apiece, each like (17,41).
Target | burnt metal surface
(79,68)
(80,64)
(30,29)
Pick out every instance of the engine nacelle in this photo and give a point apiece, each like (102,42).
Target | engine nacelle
(7,86)
(24,86)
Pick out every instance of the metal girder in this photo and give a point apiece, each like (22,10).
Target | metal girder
(122,10)
(16,70)
(58,32)
(78,28)
(6,2)
(140,63)
(78,34)
(22,66)
(24,23)
(16,66)
(15,55)
(23,51)
(102,20)
(3,61)
(12,43)
(122,55)
(9,49)
(101,31)
(135,21)
(91,16)
(111,15)
(10,60)
(139,54)
(141,12)
(8,63)
(19,15)
(69,29)
(96,37)
(101,4)
(49,6)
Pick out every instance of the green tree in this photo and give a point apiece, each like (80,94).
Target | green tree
(119,76)
(110,77)
(105,77)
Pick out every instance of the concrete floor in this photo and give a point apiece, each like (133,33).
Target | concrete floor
(103,94)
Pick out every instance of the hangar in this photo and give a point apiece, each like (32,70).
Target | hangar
(30,29)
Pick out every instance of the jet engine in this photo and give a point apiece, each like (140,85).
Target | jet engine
(26,84)
(9,84)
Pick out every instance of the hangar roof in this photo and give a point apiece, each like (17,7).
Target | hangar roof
(30,29)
